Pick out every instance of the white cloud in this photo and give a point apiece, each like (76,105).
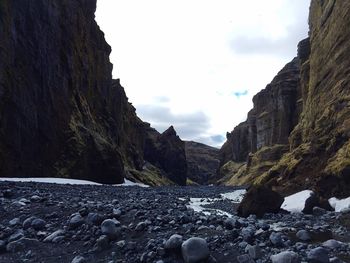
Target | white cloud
(193,56)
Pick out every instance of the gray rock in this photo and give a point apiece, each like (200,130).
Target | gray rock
(231,223)
(245,258)
(336,260)
(79,259)
(17,235)
(248,233)
(254,251)
(318,255)
(331,243)
(2,246)
(141,226)
(94,219)
(121,243)
(276,239)
(55,234)
(102,243)
(76,221)
(117,212)
(174,242)
(38,224)
(285,257)
(35,198)
(15,221)
(195,250)
(318,211)
(109,228)
(28,222)
(303,235)
(21,244)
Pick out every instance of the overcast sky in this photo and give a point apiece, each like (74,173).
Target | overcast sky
(196,64)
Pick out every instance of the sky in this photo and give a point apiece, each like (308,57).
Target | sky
(196,64)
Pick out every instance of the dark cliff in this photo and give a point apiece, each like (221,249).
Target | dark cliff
(203,162)
(266,130)
(313,130)
(61,114)
(167,151)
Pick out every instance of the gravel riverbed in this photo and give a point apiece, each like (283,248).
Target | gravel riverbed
(90,223)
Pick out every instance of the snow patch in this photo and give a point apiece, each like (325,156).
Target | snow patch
(295,203)
(339,205)
(52,180)
(235,197)
(130,183)
(197,204)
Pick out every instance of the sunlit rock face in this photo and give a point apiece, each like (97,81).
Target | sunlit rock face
(61,114)
(311,112)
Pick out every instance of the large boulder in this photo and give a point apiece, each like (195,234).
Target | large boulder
(260,200)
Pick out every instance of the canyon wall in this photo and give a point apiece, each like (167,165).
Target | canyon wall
(318,153)
(61,113)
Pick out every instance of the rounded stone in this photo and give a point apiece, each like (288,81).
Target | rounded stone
(303,235)
(285,256)
(195,250)
(276,239)
(331,243)
(38,224)
(76,221)
(318,255)
(174,242)
(109,228)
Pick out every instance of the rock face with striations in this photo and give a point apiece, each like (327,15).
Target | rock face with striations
(269,123)
(61,114)
(316,124)
(203,162)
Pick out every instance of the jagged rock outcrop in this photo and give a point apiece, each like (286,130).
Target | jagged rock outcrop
(167,151)
(202,161)
(61,114)
(319,154)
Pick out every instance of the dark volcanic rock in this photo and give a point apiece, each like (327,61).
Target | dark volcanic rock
(202,161)
(167,151)
(270,121)
(309,112)
(260,200)
(61,114)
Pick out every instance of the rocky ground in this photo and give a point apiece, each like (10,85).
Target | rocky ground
(70,223)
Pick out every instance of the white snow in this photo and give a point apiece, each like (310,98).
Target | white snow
(67,181)
(295,203)
(340,205)
(197,204)
(51,180)
(236,196)
(130,183)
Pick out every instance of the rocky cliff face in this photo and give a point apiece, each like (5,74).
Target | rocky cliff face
(318,99)
(167,151)
(270,121)
(61,114)
(203,162)
(266,130)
